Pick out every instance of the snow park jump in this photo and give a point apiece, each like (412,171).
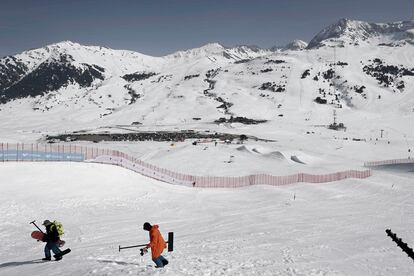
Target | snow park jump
(76,153)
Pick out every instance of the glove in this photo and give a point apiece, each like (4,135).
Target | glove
(143,251)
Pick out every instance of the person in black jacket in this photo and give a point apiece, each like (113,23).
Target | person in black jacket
(51,238)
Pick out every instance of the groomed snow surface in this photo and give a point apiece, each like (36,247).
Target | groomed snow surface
(302,229)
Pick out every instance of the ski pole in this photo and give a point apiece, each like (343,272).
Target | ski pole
(33,222)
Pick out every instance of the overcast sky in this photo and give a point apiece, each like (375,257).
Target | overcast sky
(156,27)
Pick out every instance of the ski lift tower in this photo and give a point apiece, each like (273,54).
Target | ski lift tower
(335,125)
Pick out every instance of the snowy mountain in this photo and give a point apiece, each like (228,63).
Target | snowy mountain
(215,50)
(296,45)
(354,32)
(40,71)
(70,87)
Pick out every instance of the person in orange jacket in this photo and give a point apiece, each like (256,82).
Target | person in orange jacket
(157,244)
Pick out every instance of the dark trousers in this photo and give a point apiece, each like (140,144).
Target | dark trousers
(160,261)
(51,246)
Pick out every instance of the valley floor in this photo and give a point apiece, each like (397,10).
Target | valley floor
(303,229)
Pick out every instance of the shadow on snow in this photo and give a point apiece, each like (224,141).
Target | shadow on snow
(9,264)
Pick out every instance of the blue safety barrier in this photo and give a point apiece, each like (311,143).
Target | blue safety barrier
(28,155)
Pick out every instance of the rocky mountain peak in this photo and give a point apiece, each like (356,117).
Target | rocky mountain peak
(296,45)
(347,31)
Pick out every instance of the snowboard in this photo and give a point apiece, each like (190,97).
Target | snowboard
(64,252)
(37,235)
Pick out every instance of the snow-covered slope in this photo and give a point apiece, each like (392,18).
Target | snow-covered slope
(329,229)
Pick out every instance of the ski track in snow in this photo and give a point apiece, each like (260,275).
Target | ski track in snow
(329,229)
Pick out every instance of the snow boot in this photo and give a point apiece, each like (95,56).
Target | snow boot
(58,258)
(46,259)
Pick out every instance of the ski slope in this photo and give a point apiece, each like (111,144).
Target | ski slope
(302,229)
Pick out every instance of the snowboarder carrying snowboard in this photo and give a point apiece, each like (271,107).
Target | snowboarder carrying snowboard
(52,239)
(157,244)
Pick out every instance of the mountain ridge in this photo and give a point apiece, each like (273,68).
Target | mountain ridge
(354,31)
(210,83)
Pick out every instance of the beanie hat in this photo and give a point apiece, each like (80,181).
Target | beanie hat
(147,226)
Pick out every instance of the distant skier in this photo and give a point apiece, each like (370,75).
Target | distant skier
(52,241)
(157,244)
